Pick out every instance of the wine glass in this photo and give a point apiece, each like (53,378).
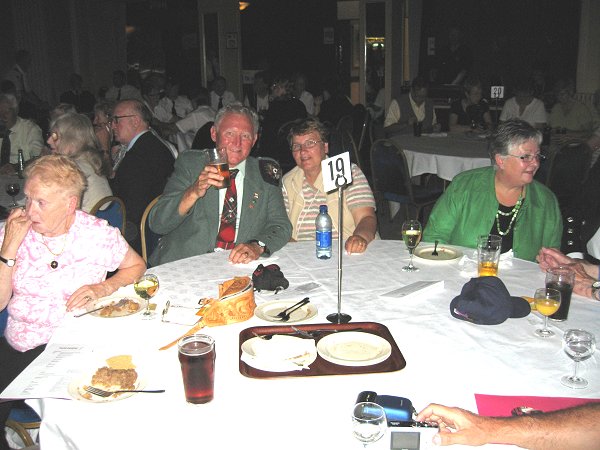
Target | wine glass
(13,189)
(368,422)
(579,345)
(547,302)
(146,287)
(411,233)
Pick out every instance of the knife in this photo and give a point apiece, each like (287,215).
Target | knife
(93,310)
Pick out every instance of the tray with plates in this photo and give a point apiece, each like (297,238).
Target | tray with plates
(350,348)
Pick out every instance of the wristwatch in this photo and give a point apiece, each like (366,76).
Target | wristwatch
(596,290)
(261,244)
(8,262)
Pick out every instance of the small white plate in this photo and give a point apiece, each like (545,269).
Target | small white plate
(445,253)
(267,310)
(77,392)
(113,300)
(354,348)
(275,365)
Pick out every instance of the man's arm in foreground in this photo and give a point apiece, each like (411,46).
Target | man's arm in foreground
(574,428)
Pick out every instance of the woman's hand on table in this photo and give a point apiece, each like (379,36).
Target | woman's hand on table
(356,244)
(87,294)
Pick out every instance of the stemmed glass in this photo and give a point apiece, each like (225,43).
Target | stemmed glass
(368,422)
(13,189)
(579,345)
(146,287)
(547,302)
(411,233)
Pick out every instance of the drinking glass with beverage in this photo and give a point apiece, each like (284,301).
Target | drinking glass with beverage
(489,247)
(146,287)
(547,302)
(217,157)
(197,358)
(562,279)
(13,189)
(579,345)
(411,233)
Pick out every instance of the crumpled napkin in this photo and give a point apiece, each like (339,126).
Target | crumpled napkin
(468,263)
(280,353)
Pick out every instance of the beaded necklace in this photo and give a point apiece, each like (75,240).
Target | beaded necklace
(513,212)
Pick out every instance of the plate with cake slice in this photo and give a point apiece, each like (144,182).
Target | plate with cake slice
(117,372)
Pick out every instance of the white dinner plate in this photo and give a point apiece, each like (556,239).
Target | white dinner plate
(274,365)
(113,300)
(445,253)
(77,392)
(354,348)
(267,310)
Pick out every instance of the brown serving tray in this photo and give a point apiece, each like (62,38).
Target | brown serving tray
(321,367)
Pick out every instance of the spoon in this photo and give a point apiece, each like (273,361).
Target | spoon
(435,252)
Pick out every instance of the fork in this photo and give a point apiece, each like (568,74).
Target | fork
(103,393)
(284,315)
(435,252)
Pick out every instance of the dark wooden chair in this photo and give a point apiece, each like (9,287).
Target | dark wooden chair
(392,181)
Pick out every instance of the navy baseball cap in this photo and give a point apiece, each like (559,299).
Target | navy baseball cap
(486,301)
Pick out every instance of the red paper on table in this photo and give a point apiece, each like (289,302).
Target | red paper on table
(502,405)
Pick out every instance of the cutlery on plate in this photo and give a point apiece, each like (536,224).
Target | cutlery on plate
(435,252)
(284,315)
(103,393)
(121,302)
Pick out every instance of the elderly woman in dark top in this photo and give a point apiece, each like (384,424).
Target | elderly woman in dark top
(472,111)
(72,135)
(504,200)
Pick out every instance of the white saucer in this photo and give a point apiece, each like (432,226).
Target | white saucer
(275,364)
(445,253)
(267,310)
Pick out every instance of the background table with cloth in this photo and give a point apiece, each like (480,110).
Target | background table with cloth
(448,360)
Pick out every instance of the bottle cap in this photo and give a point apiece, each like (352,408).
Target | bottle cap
(323,208)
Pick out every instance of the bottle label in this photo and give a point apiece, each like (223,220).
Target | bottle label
(324,239)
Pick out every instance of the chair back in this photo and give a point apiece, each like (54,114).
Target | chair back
(3,319)
(390,170)
(149,238)
(568,171)
(114,214)
(202,139)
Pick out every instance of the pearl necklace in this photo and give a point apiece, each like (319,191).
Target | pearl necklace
(54,263)
(513,212)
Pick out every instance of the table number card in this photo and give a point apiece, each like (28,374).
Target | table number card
(336,171)
(497,92)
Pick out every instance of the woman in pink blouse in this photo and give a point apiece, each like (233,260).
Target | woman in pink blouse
(53,259)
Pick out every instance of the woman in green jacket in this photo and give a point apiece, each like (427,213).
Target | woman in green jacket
(504,199)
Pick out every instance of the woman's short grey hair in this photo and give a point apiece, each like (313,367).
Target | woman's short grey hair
(237,108)
(510,135)
(58,171)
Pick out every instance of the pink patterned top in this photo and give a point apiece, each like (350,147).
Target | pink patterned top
(38,303)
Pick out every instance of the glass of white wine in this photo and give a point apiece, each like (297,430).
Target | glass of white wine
(146,287)
(547,302)
(579,345)
(368,422)
(411,233)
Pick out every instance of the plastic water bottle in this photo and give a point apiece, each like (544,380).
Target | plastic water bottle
(324,226)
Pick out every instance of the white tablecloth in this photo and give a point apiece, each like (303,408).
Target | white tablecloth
(445,156)
(448,360)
